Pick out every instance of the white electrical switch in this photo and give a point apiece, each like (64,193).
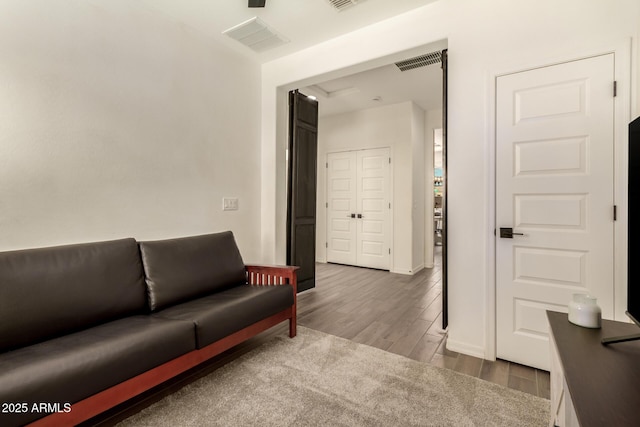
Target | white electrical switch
(229,203)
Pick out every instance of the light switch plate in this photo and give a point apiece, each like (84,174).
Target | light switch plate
(229,203)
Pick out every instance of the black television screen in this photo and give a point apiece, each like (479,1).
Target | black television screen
(633,233)
(633,236)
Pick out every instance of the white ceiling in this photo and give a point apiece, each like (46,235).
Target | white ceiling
(379,86)
(306,23)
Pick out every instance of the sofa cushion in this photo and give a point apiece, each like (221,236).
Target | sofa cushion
(49,292)
(73,367)
(185,268)
(217,315)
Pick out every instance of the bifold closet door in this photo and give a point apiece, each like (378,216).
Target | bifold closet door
(358,208)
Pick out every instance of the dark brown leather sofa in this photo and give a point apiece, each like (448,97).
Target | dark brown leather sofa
(86,327)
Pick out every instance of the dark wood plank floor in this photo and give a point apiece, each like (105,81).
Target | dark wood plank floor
(400,314)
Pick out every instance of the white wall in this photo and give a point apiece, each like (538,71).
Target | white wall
(485,38)
(119,123)
(388,126)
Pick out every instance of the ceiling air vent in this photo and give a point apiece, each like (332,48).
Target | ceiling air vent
(343,4)
(420,61)
(255,34)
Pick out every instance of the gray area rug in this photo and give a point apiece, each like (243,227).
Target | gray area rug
(318,379)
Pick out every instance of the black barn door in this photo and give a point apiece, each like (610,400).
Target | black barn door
(445,191)
(301,188)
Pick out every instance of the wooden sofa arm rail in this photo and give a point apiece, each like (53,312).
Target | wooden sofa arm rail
(272,275)
(267,275)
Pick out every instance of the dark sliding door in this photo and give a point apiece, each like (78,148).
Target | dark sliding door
(445,190)
(301,188)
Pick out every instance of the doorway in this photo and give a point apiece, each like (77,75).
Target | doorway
(419,210)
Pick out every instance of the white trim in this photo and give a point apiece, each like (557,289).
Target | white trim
(624,63)
(622,117)
(464,348)
(392,200)
(322,175)
(490,294)
(405,272)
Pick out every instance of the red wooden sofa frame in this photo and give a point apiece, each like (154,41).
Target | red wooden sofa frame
(119,393)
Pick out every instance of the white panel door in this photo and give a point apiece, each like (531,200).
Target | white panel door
(554,185)
(358,210)
(373,208)
(341,208)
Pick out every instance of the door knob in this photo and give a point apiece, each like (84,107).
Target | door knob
(507,233)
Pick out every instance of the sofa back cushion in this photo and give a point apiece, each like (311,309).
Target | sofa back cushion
(181,269)
(49,292)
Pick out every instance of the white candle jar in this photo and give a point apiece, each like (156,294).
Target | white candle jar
(584,311)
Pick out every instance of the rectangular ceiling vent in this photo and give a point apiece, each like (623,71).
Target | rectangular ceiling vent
(420,61)
(256,35)
(341,5)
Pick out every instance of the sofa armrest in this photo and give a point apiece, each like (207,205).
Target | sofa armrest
(270,275)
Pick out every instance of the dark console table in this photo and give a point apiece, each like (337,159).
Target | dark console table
(593,384)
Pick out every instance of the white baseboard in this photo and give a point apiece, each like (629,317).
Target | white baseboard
(465,348)
(407,272)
